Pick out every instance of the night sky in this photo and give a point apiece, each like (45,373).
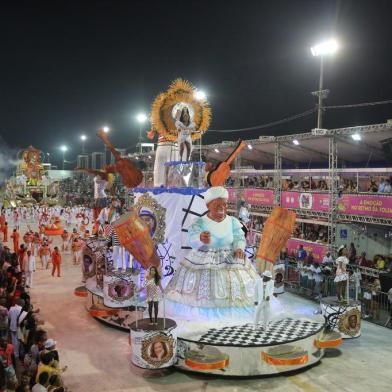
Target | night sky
(70,67)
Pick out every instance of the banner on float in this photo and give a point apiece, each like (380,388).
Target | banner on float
(318,250)
(257,197)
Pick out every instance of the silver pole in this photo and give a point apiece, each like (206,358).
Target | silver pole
(320,94)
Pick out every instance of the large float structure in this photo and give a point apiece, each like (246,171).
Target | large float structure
(218,345)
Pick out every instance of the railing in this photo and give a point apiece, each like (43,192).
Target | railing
(376,305)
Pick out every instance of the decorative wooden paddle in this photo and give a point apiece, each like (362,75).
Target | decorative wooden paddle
(219,175)
(131,176)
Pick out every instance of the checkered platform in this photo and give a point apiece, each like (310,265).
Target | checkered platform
(279,332)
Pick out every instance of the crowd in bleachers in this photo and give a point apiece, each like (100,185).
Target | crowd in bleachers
(346,185)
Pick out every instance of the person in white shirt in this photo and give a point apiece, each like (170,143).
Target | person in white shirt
(318,278)
(264,289)
(328,259)
(13,316)
(30,269)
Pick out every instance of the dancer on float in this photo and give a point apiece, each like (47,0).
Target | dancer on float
(341,273)
(263,294)
(215,279)
(185,126)
(152,283)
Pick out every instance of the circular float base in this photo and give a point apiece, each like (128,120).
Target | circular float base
(242,350)
(81,291)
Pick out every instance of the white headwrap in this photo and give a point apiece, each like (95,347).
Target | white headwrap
(215,192)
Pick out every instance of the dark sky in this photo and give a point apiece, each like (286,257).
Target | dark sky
(69,67)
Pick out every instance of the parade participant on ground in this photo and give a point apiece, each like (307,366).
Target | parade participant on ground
(77,249)
(218,244)
(36,245)
(28,240)
(14,313)
(15,239)
(65,239)
(152,283)
(5,232)
(45,253)
(341,273)
(56,260)
(22,258)
(264,290)
(30,269)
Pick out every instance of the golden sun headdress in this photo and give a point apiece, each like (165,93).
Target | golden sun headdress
(180,94)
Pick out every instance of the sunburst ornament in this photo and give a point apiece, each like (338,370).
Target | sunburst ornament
(180,93)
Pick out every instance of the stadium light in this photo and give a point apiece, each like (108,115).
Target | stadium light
(106,129)
(250,147)
(296,142)
(141,118)
(83,138)
(216,150)
(357,137)
(63,148)
(324,48)
(200,95)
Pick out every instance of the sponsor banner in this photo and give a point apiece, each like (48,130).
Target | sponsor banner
(318,250)
(258,197)
(369,205)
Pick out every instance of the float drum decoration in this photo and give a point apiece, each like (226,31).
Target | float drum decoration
(276,232)
(134,235)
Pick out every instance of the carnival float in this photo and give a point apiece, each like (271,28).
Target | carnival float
(202,311)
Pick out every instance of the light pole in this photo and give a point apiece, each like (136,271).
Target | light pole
(106,130)
(83,138)
(63,149)
(321,50)
(141,118)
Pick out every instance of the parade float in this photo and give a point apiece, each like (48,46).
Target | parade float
(211,281)
(31,184)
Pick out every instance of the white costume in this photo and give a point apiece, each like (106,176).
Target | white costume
(244,215)
(166,152)
(185,134)
(30,270)
(263,290)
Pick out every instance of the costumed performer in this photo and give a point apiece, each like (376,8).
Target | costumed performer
(185,126)
(263,292)
(152,283)
(341,276)
(215,274)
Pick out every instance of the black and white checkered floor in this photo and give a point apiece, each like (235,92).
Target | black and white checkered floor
(279,332)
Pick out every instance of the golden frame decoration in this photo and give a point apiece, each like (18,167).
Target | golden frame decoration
(343,325)
(168,341)
(159,212)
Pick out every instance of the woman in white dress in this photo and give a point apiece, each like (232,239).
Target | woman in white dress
(185,127)
(215,274)
(341,273)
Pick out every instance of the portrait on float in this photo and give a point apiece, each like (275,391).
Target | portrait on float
(169,215)
(154,350)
